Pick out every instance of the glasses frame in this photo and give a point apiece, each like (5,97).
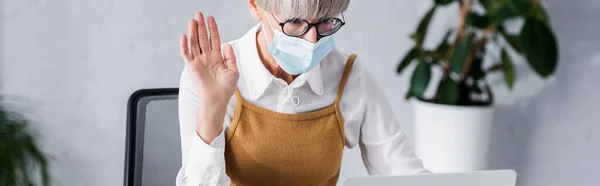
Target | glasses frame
(310,25)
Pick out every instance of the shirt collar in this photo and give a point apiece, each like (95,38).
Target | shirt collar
(258,78)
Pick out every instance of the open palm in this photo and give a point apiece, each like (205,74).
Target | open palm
(215,74)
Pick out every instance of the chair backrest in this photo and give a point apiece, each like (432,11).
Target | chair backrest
(153,150)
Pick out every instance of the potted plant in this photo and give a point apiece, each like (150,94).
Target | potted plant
(20,157)
(452,126)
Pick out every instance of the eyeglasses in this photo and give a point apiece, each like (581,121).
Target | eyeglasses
(297,27)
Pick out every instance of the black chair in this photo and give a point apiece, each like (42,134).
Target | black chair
(153,149)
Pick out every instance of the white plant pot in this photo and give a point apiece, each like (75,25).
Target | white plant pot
(452,138)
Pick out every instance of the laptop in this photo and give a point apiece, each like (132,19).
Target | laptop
(476,178)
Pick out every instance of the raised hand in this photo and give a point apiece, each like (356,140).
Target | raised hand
(215,75)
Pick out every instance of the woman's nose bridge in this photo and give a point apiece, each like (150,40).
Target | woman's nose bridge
(311,35)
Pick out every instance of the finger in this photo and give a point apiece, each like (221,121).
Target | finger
(185,55)
(215,40)
(229,57)
(202,35)
(195,49)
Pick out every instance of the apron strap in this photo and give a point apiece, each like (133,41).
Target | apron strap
(347,70)
(338,111)
(239,102)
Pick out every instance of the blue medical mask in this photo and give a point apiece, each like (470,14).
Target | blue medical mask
(295,55)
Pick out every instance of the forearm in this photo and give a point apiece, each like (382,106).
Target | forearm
(209,120)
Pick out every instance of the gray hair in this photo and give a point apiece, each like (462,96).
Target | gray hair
(304,9)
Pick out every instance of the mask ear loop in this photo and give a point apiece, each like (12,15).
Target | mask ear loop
(263,30)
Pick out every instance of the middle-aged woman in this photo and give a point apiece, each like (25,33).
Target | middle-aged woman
(279,105)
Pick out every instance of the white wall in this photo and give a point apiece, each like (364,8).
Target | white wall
(78,61)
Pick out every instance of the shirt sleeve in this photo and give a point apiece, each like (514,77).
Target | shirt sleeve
(201,163)
(384,145)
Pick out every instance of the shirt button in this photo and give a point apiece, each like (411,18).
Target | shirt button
(295,100)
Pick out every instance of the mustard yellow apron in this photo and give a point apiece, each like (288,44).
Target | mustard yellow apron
(264,147)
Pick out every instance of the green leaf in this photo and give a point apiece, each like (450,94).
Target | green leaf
(443,47)
(513,40)
(475,71)
(509,71)
(419,36)
(477,20)
(497,11)
(486,3)
(448,91)
(461,52)
(443,2)
(522,6)
(501,10)
(408,95)
(39,158)
(410,56)
(539,46)
(420,79)
(20,157)
(537,12)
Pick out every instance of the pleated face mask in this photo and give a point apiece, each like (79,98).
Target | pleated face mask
(295,55)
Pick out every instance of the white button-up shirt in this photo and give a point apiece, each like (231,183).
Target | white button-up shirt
(368,119)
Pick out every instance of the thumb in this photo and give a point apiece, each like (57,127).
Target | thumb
(229,57)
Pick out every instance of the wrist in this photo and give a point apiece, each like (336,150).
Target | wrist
(209,120)
(213,101)
(208,136)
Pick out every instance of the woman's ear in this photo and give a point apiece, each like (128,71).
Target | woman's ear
(254,10)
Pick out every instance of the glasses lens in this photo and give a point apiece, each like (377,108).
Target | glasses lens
(295,27)
(330,26)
